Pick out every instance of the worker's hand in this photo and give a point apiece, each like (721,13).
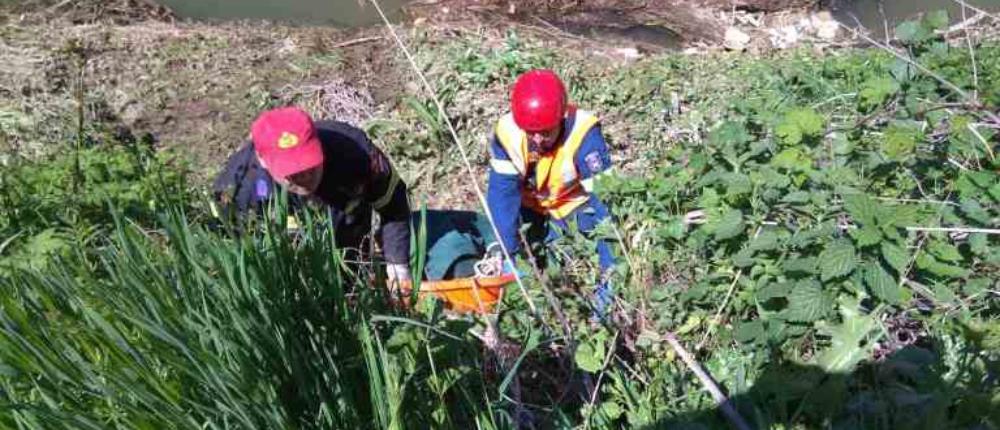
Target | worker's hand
(397,272)
(399,283)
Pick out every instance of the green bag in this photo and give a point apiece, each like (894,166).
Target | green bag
(456,240)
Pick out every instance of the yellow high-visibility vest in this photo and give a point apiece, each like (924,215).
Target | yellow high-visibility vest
(557,188)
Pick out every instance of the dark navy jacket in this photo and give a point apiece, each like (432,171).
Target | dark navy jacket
(357,178)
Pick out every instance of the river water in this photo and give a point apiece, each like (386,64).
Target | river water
(875,14)
(340,13)
(352,13)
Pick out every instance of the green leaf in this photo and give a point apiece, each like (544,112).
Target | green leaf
(866,236)
(978,243)
(793,159)
(898,216)
(767,240)
(797,197)
(944,251)
(841,144)
(799,124)
(804,238)
(903,71)
(611,410)
(810,122)
(647,339)
(983,179)
(966,139)
(589,357)
(730,225)
(765,176)
(896,256)
(693,322)
(801,265)
(943,293)
(790,134)
(807,302)
(901,141)
(675,229)
(851,341)
(862,208)
(838,259)
(932,265)
(744,258)
(773,290)
(975,211)
(936,20)
(709,199)
(973,184)
(737,184)
(749,331)
(912,32)
(402,339)
(881,284)
(976,286)
(728,134)
(875,91)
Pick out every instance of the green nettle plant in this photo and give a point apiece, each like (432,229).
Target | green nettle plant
(839,231)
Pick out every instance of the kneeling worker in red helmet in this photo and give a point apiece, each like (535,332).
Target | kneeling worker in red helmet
(544,157)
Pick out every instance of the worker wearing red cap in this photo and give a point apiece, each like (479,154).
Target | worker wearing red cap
(327,162)
(544,157)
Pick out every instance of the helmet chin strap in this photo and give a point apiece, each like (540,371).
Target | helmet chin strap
(555,143)
(571,115)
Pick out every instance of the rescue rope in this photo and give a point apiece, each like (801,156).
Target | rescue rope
(461,150)
(491,264)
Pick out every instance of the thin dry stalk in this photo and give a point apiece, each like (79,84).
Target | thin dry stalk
(600,377)
(717,319)
(954,230)
(553,302)
(721,400)
(977,10)
(358,41)
(972,55)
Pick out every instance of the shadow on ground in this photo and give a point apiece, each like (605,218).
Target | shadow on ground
(934,385)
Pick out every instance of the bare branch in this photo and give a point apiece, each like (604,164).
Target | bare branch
(955,230)
(718,313)
(954,88)
(972,54)
(706,381)
(600,378)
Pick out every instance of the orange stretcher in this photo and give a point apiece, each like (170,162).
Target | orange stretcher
(467,295)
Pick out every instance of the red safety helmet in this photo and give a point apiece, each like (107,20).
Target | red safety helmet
(538,101)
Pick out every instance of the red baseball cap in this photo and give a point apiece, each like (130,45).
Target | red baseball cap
(285,139)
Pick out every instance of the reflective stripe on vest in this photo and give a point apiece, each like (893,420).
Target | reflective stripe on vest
(557,191)
(390,191)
